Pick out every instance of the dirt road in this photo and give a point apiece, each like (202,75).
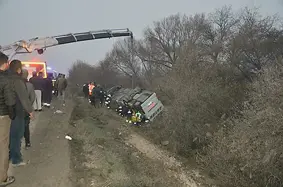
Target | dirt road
(104,152)
(49,154)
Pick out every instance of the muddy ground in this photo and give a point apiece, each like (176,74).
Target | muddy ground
(105,151)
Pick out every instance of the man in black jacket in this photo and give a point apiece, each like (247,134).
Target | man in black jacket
(23,106)
(38,83)
(7,102)
(85,90)
(98,94)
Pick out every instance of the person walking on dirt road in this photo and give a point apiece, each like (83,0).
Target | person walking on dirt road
(31,94)
(23,106)
(7,113)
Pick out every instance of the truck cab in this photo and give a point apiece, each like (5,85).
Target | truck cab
(147,103)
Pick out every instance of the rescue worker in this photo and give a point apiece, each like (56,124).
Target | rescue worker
(91,86)
(133,118)
(108,100)
(55,87)
(91,96)
(85,90)
(122,110)
(129,116)
(31,95)
(99,94)
(138,118)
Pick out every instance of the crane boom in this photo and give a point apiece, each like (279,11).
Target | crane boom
(40,44)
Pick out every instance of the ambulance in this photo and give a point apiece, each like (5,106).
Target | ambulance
(35,67)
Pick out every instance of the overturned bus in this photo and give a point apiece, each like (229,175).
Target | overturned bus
(143,101)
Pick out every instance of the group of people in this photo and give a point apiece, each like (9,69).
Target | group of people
(15,105)
(95,93)
(19,98)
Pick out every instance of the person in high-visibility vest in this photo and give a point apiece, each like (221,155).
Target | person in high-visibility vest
(91,86)
(136,118)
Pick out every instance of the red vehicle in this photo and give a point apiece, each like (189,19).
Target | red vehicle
(35,67)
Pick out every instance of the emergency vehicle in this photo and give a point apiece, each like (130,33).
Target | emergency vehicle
(35,67)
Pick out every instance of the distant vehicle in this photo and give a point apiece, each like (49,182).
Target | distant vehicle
(143,101)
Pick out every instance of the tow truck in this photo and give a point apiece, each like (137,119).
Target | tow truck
(41,44)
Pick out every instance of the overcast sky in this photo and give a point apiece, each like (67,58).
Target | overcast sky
(25,19)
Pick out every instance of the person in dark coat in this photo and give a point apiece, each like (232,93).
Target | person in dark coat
(98,94)
(31,95)
(85,90)
(23,106)
(38,83)
(7,113)
(47,92)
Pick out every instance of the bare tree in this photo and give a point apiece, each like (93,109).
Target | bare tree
(248,50)
(165,39)
(218,33)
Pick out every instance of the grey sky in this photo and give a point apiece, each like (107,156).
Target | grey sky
(26,19)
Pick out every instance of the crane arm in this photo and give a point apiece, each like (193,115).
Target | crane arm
(40,44)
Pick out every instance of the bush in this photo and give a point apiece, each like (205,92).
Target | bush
(200,94)
(248,151)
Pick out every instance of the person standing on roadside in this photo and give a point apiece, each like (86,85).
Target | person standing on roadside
(38,83)
(23,106)
(7,113)
(62,85)
(99,95)
(31,95)
(47,92)
(85,90)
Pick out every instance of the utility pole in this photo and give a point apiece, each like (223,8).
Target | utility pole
(132,58)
